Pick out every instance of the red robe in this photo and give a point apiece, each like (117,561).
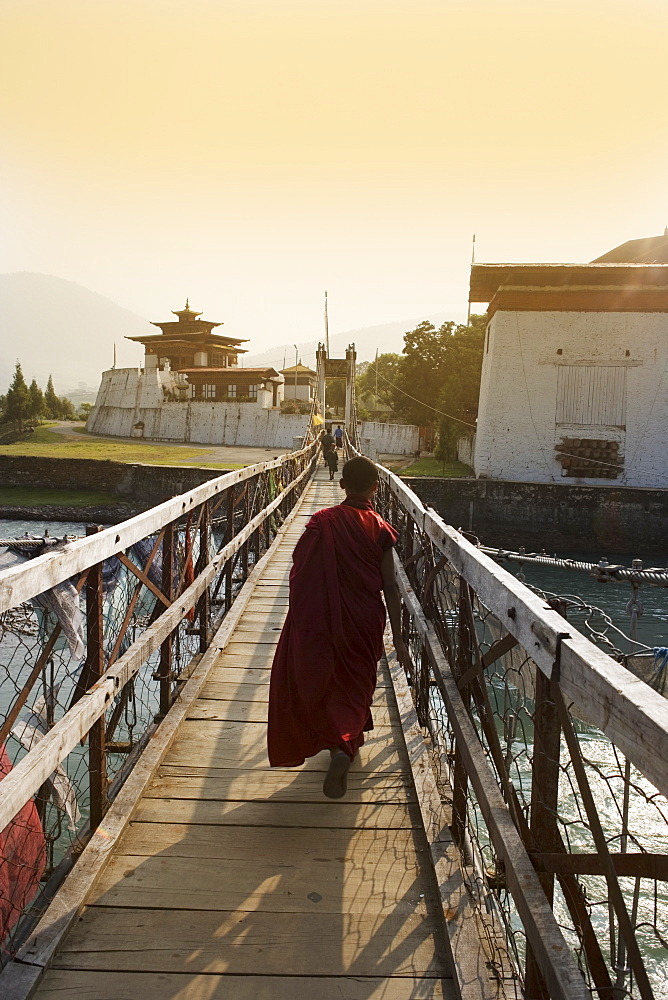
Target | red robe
(22,860)
(324,672)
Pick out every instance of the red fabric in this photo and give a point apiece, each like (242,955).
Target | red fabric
(324,672)
(22,859)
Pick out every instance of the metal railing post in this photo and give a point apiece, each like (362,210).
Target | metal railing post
(166,648)
(94,666)
(204,603)
(459,775)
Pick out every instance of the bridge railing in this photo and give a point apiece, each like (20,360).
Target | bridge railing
(553,760)
(97,637)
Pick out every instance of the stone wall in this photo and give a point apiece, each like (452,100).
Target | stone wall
(140,485)
(559,517)
(390,439)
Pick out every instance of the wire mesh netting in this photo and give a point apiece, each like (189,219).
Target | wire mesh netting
(56,645)
(594,827)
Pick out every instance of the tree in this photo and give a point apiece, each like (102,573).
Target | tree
(37,405)
(51,400)
(18,399)
(422,372)
(380,375)
(335,394)
(66,408)
(461,386)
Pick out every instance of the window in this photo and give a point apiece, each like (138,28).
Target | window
(195,391)
(252,391)
(231,392)
(591,395)
(209,391)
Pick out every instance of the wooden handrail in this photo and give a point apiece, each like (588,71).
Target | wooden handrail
(628,711)
(20,583)
(31,772)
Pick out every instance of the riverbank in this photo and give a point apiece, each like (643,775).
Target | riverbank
(557,517)
(86,515)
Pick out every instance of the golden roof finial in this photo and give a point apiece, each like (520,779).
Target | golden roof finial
(187,304)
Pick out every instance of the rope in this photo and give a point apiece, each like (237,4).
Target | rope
(603,572)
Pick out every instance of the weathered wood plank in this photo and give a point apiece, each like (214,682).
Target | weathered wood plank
(242,687)
(271,885)
(244,647)
(206,942)
(271,628)
(344,815)
(234,744)
(372,851)
(78,985)
(254,711)
(284,786)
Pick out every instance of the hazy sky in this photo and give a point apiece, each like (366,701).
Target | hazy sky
(251,153)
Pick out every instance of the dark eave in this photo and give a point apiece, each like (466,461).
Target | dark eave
(236,372)
(650,250)
(488,279)
(190,340)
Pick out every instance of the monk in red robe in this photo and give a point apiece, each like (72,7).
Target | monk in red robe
(324,673)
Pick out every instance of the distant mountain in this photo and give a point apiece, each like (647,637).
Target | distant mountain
(385,338)
(56,327)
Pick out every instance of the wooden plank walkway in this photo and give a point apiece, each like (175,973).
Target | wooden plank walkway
(237,881)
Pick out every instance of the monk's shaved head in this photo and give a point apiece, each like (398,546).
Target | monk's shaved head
(359,475)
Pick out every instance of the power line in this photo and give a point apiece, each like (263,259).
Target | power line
(428,405)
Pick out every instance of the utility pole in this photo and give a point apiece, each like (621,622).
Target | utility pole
(296,363)
(468,315)
(326,327)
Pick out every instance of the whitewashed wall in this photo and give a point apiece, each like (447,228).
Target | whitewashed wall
(292,391)
(466,449)
(125,399)
(391,439)
(517,417)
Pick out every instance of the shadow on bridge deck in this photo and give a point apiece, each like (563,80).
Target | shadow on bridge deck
(239,881)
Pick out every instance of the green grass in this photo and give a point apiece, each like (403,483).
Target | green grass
(434,467)
(44,443)
(25,496)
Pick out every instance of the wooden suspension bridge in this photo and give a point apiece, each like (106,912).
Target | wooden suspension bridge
(448,871)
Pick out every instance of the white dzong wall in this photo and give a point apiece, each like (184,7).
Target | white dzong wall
(540,384)
(128,396)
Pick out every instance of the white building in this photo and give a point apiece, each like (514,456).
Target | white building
(192,388)
(574,384)
(300,383)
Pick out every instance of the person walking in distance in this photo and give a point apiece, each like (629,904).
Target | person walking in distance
(332,459)
(326,442)
(338,436)
(324,672)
